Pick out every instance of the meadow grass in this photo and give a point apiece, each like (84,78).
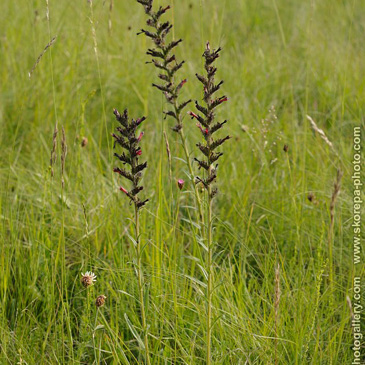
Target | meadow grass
(303,58)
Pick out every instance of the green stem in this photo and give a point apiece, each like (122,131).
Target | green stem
(96,357)
(191,172)
(209,265)
(140,287)
(188,162)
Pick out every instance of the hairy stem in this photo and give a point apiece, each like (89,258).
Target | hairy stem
(191,172)
(140,286)
(209,265)
(209,259)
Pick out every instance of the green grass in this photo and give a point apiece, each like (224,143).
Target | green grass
(305,58)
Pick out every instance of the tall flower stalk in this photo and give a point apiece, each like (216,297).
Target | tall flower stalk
(126,137)
(168,65)
(207,125)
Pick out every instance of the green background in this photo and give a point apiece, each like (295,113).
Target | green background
(303,58)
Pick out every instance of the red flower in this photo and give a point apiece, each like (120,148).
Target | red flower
(193,115)
(204,131)
(140,136)
(124,190)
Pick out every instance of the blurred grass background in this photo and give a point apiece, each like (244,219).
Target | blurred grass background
(304,58)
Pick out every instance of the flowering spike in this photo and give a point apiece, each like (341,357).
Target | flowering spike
(129,141)
(163,58)
(163,50)
(207,121)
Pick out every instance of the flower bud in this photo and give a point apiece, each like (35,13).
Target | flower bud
(180,183)
(100,301)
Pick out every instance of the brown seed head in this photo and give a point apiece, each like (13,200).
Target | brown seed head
(100,301)
(84,142)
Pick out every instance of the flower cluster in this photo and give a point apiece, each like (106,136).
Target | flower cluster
(164,60)
(206,119)
(88,279)
(128,140)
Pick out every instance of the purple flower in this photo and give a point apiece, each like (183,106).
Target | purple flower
(180,183)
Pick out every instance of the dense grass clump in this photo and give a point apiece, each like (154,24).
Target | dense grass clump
(282,235)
